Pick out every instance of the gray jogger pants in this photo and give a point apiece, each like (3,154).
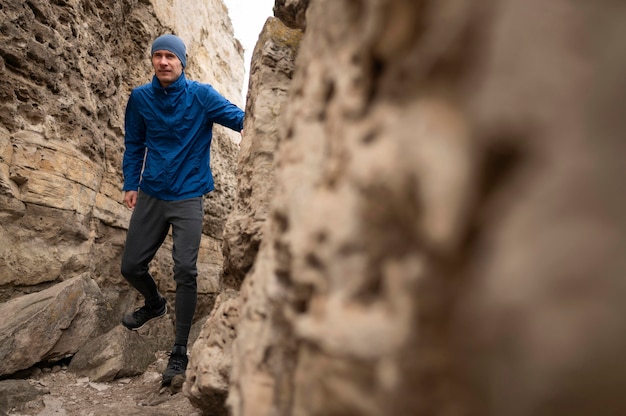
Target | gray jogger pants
(148,227)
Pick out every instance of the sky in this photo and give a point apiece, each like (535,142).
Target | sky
(248,17)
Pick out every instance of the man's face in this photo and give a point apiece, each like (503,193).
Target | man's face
(167,67)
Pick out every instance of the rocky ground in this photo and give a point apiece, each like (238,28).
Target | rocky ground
(54,391)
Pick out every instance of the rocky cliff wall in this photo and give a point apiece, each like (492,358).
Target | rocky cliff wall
(428,219)
(445,234)
(68,68)
(212,356)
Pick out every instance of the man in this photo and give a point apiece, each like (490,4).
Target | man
(168,131)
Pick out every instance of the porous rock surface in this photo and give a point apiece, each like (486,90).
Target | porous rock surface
(427,217)
(445,234)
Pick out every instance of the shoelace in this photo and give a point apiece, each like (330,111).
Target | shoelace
(141,313)
(176,362)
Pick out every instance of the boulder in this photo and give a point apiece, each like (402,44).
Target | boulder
(446,234)
(50,324)
(119,353)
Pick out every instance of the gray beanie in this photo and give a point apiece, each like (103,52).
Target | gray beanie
(173,44)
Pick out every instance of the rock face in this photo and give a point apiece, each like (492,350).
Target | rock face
(118,353)
(50,324)
(445,233)
(270,75)
(68,69)
(272,68)
(428,215)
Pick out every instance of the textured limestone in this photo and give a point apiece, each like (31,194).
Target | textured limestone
(446,231)
(270,75)
(272,68)
(439,229)
(50,324)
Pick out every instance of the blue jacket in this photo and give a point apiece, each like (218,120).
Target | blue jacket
(172,128)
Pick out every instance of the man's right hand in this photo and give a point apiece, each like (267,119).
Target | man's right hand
(130,199)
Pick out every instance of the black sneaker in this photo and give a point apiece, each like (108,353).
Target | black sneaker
(141,316)
(176,365)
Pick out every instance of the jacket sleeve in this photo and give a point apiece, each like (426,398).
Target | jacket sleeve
(222,111)
(135,144)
